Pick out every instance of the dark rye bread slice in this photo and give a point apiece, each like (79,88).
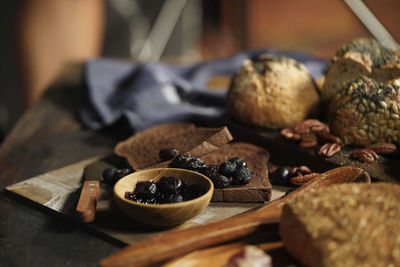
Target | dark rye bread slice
(142,150)
(259,188)
(344,225)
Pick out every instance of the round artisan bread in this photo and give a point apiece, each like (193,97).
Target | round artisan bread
(344,225)
(274,91)
(365,111)
(362,56)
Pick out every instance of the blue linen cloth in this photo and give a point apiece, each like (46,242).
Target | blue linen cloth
(147,94)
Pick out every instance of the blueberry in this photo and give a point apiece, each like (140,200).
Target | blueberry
(186,161)
(281,176)
(168,153)
(145,188)
(227,168)
(169,185)
(125,171)
(109,174)
(241,176)
(210,171)
(112,175)
(220,181)
(238,161)
(130,195)
(173,199)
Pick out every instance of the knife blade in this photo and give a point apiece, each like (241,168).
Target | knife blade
(92,174)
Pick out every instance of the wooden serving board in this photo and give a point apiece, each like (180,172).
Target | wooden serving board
(58,191)
(287,152)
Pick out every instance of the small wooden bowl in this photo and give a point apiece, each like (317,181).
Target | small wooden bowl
(162,215)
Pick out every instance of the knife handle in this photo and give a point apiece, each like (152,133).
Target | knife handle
(86,208)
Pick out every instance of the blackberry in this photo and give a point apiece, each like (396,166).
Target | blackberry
(169,185)
(186,161)
(281,176)
(168,153)
(241,176)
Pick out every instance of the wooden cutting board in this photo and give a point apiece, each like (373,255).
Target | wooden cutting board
(58,192)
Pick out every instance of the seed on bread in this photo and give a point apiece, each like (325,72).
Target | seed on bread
(364,122)
(362,56)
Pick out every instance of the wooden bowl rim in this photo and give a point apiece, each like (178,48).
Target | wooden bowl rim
(203,197)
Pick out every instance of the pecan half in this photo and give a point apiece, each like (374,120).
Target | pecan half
(310,125)
(308,140)
(326,136)
(302,179)
(300,171)
(364,155)
(329,149)
(383,148)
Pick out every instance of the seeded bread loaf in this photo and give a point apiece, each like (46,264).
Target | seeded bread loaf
(364,112)
(363,56)
(142,150)
(344,225)
(259,188)
(274,91)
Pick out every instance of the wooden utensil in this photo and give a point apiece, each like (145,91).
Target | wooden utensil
(217,256)
(180,242)
(86,207)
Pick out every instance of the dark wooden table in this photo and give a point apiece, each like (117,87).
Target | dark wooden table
(48,136)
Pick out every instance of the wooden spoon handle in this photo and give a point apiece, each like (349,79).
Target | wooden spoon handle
(179,242)
(218,256)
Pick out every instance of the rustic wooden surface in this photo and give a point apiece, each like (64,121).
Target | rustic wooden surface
(48,137)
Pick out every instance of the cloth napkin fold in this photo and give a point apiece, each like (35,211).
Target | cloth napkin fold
(147,94)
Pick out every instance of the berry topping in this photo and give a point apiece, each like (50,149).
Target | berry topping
(241,176)
(112,175)
(168,153)
(169,185)
(186,161)
(281,176)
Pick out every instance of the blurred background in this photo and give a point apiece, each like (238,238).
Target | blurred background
(40,36)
